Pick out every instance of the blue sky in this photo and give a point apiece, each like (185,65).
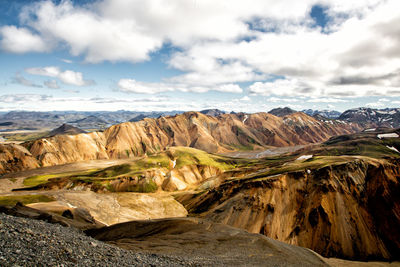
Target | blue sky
(193,55)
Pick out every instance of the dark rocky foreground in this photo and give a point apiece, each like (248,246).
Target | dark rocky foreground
(28,242)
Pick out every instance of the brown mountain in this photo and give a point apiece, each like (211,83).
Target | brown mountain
(226,132)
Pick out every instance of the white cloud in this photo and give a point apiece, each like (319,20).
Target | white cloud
(133,86)
(206,71)
(277,99)
(327,100)
(51,84)
(21,40)
(46,71)
(375,105)
(71,91)
(19,79)
(281,87)
(17,98)
(67,77)
(330,106)
(229,88)
(67,61)
(90,32)
(245,98)
(73,78)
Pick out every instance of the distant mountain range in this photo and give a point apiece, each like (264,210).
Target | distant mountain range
(371,118)
(28,120)
(366,117)
(212,112)
(319,114)
(330,114)
(82,119)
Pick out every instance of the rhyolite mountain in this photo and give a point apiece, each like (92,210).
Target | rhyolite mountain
(340,199)
(226,132)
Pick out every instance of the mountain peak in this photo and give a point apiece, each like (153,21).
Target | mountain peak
(212,112)
(66,129)
(281,112)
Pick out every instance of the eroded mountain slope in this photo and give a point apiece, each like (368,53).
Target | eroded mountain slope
(340,205)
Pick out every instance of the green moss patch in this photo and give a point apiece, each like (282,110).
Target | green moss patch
(144,187)
(113,171)
(42,179)
(24,199)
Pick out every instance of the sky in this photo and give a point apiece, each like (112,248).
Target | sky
(233,55)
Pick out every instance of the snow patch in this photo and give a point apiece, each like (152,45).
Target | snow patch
(370,130)
(245,118)
(388,135)
(393,148)
(304,157)
(71,206)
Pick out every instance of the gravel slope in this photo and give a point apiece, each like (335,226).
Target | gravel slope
(27,242)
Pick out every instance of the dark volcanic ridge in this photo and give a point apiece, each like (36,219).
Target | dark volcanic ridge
(212,112)
(66,129)
(282,112)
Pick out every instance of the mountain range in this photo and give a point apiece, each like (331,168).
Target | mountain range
(26,120)
(371,118)
(82,119)
(330,114)
(227,132)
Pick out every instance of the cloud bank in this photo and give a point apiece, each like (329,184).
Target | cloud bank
(275,46)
